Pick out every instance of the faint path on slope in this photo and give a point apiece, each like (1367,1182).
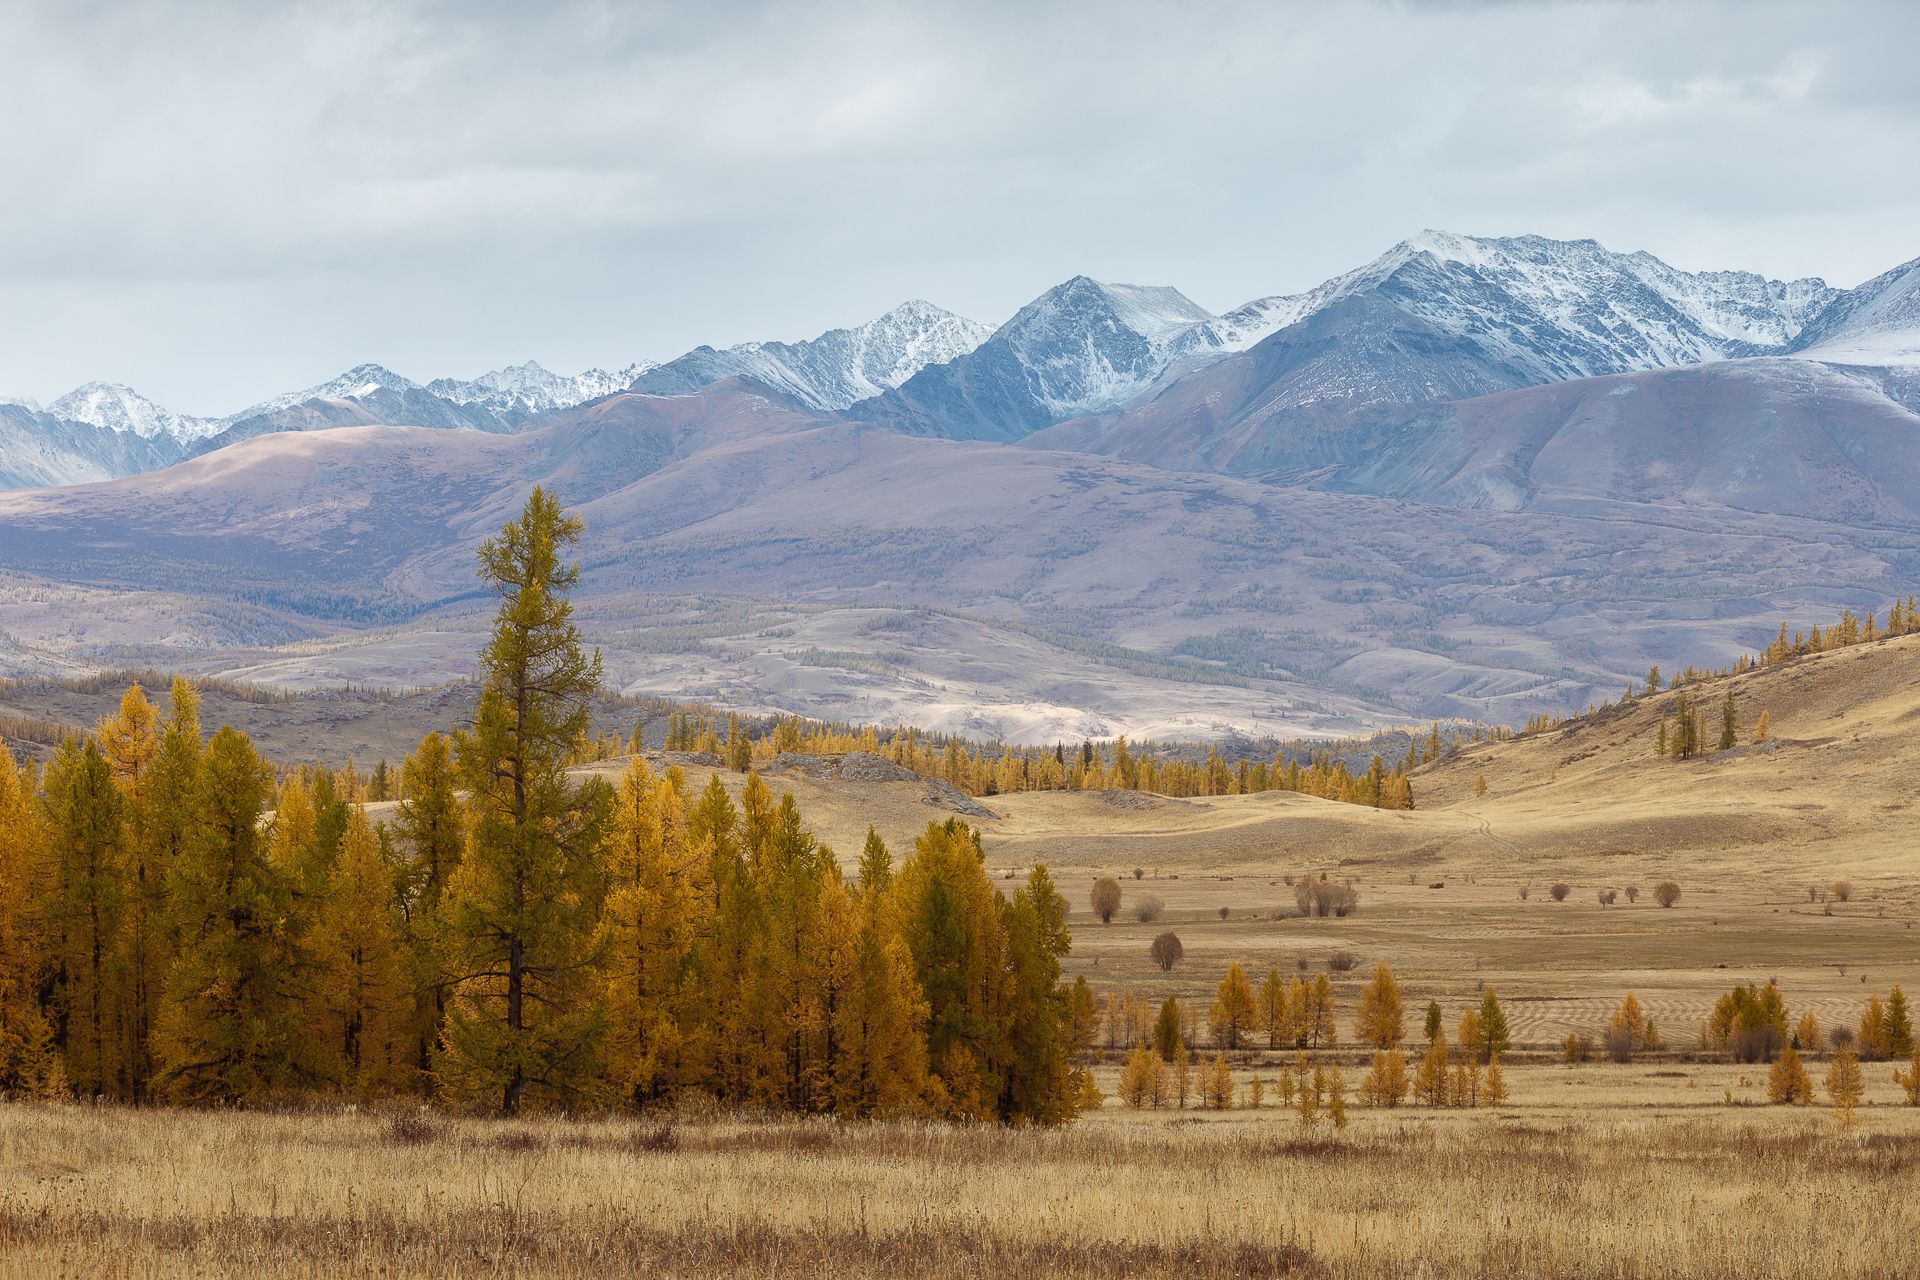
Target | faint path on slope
(1486,829)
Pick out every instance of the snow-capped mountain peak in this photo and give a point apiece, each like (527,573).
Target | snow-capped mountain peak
(117,407)
(361,380)
(1877,324)
(839,368)
(1552,309)
(531,388)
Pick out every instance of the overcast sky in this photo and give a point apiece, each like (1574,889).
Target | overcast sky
(214,202)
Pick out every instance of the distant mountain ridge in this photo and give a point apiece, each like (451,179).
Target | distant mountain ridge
(839,368)
(1142,371)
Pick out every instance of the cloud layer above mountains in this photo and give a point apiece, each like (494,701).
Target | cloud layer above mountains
(224,199)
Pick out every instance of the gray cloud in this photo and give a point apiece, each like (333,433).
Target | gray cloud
(213,201)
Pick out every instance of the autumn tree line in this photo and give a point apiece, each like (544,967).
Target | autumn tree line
(1162,1064)
(983,769)
(181,923)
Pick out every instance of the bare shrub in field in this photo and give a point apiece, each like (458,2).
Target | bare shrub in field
(1608,897)
(1666,893)
(1148,907)
(1139,873)
(1560,891)
(415,1128)
(1225,912)
(1166,950)
(1526,891)
(1579,1048)
(1343,962)
(1842,890)
(1633,893)
(1105,898)
(1323,898)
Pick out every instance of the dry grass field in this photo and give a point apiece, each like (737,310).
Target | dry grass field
(1669,1166)
(1570,1182)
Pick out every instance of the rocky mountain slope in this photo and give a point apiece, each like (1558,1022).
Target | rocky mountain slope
(839,368)
(1081,347)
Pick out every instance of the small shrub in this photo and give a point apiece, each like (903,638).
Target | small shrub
(1166,950)
(1579,1048)
(1633,893)
(1139,873)
(1560,891)
(1148,907)
(1666,893)
(1224,911)
(415,1129)
(1842,890)
(1526,891)
(657,1139)
(1343,962)
(1105,898)
(1608,897)
(518,1140)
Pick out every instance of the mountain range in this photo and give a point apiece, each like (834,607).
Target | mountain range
(1475,476)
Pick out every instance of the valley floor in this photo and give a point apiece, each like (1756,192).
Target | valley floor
(1585,1175)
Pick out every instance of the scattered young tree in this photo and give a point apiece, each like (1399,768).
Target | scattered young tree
(1627,1033)
(1787,1082)
(1166,950)
(1493,1090)
(1233,1016)
(1666,893)
(1148,907)
(1431,1085)
(1909,1080)
(1386,1081)
(1872,1041)
(1106,898)
(1845,1085)
(1380,1021)
(1166,1030)
(1896,1034)
(1492,1037)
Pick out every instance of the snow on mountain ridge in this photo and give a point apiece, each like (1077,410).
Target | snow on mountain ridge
(1552,309)
(361,380)
(531,388)
(839,368)
(116,407)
